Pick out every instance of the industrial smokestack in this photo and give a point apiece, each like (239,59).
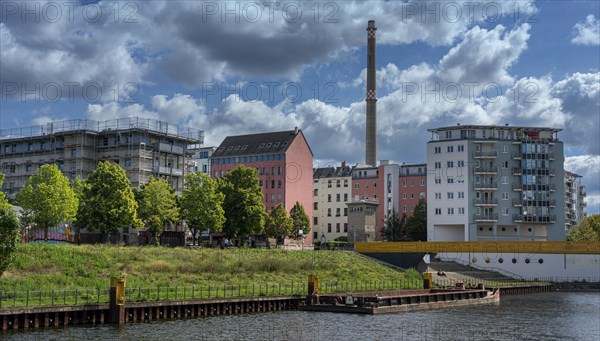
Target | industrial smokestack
(371,138)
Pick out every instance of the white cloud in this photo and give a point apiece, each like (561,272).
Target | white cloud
(587,32)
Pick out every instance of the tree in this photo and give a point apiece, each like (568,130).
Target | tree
(417,222)
(201,204)
(157,206)
(587,230)
(278,223)
(9,231)
(108,200)
(395,229)
(300,221)
(244,210)
(49,197)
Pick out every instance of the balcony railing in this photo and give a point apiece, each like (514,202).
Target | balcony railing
(517,171)
(517,187)
(517,156)
(486,202)
(484,155)
(485,217)
(489,185)
(169,170)
(485,169)
(521,218)
(517,202)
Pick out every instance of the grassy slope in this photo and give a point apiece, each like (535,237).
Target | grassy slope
(47,267)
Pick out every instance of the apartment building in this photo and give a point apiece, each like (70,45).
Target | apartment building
(368,187)
(283,161)
(495,183)
(332,190)
(143,147)
(199,160)
(574,200)
(412,187)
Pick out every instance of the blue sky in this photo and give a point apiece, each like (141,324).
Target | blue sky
(244,67)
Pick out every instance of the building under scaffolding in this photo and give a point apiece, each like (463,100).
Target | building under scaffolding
(143,147)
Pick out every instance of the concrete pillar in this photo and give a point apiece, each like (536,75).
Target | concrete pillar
(117,300)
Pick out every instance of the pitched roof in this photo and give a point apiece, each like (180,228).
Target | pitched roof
(327,172)
(263,143)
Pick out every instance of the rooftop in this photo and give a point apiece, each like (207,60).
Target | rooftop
(263,143)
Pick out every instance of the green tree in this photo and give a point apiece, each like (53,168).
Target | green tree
(49,197)
(108,201)
(244,210)
(417,222)
(278,223)
(201,204)
(9,231)
(300,221)
(395,228)
(157,206)
(588,230)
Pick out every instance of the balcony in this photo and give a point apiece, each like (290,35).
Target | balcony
(491,217)
(517,187)
(168,171)
(517,202)
(486,185)
(517,156)
(485,155)
(486,202)
(551,156)
(520,218)
(485,169)
(169,148)
(517,171)
(552,172)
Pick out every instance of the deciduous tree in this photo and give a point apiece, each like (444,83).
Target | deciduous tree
(417,222)
(157,206)
(395,228)
(300,221)
(588,230)
(278,223)
(201,204)
(49,197)
(108,200)
(243,206)
(9,231)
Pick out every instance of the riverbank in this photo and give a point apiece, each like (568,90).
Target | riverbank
(70,267)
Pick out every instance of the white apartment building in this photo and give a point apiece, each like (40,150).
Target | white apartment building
(488,183)
(332,190)
(574,200)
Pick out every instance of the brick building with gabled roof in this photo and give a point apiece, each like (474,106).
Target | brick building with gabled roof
(283,161)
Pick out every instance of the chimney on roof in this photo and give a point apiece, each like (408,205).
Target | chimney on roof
(295,130)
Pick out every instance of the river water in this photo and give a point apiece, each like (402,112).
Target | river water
(547,316)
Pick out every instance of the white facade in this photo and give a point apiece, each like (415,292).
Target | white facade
(488,183)
(574,200)
(391,199)
(200,160)
(332,190)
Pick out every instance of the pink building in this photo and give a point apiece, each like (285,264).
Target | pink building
(412,187)
(283,161)
(367,185)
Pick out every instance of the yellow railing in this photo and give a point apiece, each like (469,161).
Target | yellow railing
(588,248)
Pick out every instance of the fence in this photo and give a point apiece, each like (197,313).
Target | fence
(38,298)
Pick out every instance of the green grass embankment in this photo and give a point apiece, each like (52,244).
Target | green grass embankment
(67,267)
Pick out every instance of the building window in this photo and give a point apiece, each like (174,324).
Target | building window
(273,170)
(272,183)
(422,182)
(338,183)
(505,180)
(356,186)
(404,208)
(316,192)
(450,195)
(315,220)
(505,164)
(461,148)
(438,181)
(345,197)
(412,195)
(329,212)
(450,164)
(422,195)
(328,197)
(438,165)
(403,183)
(278,183)
(338,197)
(278,197)
(461,195)
(345,182)
(412,183)
(337,212)
(329,184)
(460,163)
(315,205)
(437,150)
(329,228)
(461,210)
(438,196)
(438,211)
(337,227)
(505,149)
(345,211)
(450,180)
(127,163)
(345,227)
(272,197)
(450,210)
(449,134)
(374,184)
(504,195)
(73,152)
(450,149)
(505,211)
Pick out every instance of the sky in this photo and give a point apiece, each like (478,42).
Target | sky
(242,67)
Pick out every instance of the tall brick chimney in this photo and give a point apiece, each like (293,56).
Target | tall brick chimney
(371,129)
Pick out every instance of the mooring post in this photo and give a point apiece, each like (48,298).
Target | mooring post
(313,289)
(117,300)
(427,279)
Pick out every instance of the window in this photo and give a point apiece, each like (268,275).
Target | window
(272,197)
(345,227)
(374,184)
(438,165)
(460,163)
(477,148)
(74,152)
(412,195)
(345,197)
(278,197)
(338,183)
(438,196)
(329,212)
(345,211)
(404,208)
(315,206)
(438,211)
(450,195)
(278,183)
(315,220)
(422,195)
(505,149)
(422,182)
(403,183)
(278,170)
(438,181)
(29,168)
(316,192)
(356,186)
(450,164)
(504,195)
(328,197)
(337,227)
(273,170)
(450,149)
(329,228)
(329,184)
(461,210)
(461,148)
(338,197)
(450,180)
(337,212)
(449,134)
(505,180)
(437,150)
(461,195)
(403,195)
(450,210)
(272,183)
(345,182)
(412,183)
(505,164)
(505,211)
(127,162)
(477,179)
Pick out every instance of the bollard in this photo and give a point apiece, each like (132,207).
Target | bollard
(427,279)
(117,300)
(313,289)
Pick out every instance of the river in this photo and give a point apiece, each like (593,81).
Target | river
(547,316)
